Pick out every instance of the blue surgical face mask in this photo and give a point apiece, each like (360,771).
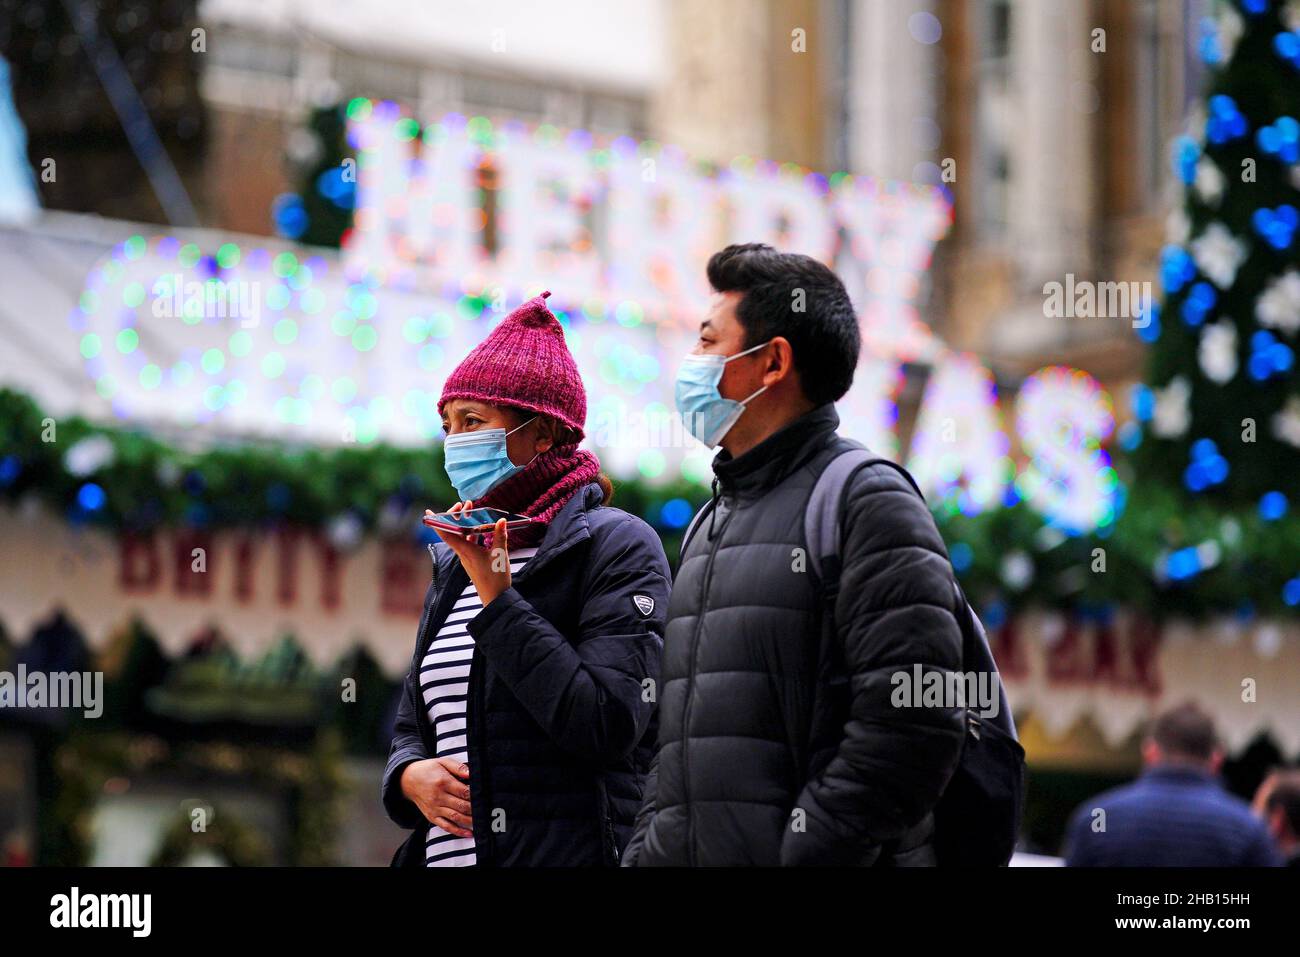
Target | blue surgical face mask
(477,462)
(705,413)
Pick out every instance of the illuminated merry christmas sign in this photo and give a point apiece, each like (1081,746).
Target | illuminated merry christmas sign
(458,221)
(621,226)
(634,224)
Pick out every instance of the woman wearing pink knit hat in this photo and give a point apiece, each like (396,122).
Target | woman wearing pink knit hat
(527,721)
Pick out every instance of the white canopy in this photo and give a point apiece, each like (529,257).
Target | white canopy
(377,588)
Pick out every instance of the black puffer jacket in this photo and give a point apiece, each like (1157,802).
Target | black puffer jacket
(561,724)
(758,762)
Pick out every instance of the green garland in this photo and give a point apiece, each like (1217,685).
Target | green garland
(229,838)
(314,779)
(1255,559)
(147,483)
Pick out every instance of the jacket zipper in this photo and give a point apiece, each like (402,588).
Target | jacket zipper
(419,651)
(690,683)
(609,840)
(484,851)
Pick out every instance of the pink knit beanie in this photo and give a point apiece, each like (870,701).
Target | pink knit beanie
(523,362)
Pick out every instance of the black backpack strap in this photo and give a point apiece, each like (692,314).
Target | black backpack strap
(975,652)
(822,529)
(821,522)
(823,525)
(823,519)
(977,656)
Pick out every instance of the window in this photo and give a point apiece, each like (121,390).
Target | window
(994,115)
(1168,77)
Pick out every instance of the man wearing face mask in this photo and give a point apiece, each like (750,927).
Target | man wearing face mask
(778,740)
(525,727)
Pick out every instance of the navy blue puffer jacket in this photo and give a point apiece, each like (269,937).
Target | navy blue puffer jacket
(561,705)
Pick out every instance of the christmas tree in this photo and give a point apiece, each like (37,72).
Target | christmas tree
(1221,408)
(320,213)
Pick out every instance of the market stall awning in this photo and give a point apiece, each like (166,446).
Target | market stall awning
(255,589)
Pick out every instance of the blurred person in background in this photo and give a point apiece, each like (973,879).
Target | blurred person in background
(771,752)
(1278,802)
(526,724)
(1177,813)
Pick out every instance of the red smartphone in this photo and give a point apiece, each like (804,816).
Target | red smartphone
(475,520)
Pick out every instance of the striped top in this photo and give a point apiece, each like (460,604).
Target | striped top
(444,683)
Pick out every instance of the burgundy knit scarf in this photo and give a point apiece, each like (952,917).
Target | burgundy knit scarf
(542,489)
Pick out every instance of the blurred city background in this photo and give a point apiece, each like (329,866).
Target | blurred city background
(242,242)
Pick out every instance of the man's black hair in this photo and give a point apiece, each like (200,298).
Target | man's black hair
(823,336)
(1185,731)
(1286,795)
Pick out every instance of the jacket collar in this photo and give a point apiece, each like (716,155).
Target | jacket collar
(569,527)
(1184,773)
(781,453)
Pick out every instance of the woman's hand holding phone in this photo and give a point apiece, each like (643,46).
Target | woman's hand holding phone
(488,569)
(436,786)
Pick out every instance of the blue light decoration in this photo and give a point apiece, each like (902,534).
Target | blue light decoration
(1281,139)
(1287,46)
(1208,45)
(1272,506)
(1200,300)
(1277,226)
(1143,402)
(1095,613)
(1183,564)
(338,190)
(90,497)
(1177,268)
(1254,8)
(1148,330)
(675,513)
(289,215)
(1186,154)
(1225,121)
(1129,436)
(192,482)
(1207,468)
(961,556)
(1291,592)
(1268,356)
(278,496)
(10,468)
(994,615)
